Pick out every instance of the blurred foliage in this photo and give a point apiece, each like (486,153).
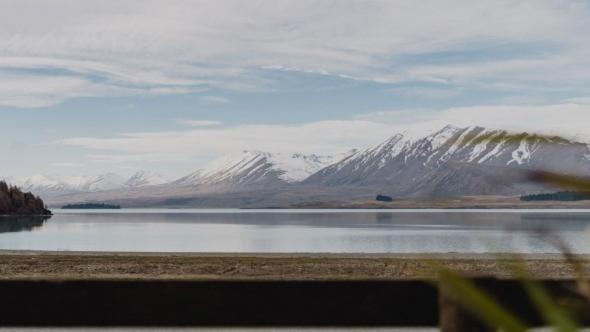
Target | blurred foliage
(554,311)
(569,182)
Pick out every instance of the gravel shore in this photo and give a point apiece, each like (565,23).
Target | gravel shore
(19,265)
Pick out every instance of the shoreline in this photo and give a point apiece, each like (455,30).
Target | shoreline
(447,203)
(367,255)
(41,265)
(458,203)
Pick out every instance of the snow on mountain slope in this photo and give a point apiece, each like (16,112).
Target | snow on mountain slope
(145,178)
(451,161)
(297,167)
(256,167)
(103,182)
(56,185)
(48,183)
(410,163)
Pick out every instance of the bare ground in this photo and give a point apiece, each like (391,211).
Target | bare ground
(19,265)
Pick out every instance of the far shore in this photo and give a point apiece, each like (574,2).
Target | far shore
(457,203)
(465,202)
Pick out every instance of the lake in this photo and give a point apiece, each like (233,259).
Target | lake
(311,231)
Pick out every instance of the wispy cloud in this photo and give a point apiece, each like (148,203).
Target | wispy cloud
(150,47)
(186,145)
(215,100)
(427,92)
(579,100)
(66,164)
(569,120)
(114,158)
(199,123)
(41,90)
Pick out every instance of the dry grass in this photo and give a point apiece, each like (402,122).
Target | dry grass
(101,266)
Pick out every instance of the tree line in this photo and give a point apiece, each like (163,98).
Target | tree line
(558,196)
(13,201)
(91,206)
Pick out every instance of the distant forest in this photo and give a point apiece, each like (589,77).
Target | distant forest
(558,196)
(91,206)
(15,202)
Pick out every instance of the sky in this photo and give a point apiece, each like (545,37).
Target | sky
(89,87)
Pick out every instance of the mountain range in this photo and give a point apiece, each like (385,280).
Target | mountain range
(456,162)
(449,162)
(257,168)
(52,185)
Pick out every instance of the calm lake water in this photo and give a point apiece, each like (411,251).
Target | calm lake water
(274,231)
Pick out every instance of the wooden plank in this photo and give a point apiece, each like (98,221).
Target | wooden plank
(252,303)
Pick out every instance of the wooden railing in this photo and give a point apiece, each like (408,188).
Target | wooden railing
(255,303)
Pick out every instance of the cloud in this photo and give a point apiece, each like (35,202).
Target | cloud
(116,47)
(199,123)
(35,90)
(135,157)
(198,144)
(66,164)
(38,91)
(195,146)
(568,119)
(214,100)
(579,100)
(328,137)
(426,92)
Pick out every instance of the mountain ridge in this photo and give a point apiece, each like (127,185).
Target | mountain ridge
(257,168)
(412,162)
(449,162)
(53,185)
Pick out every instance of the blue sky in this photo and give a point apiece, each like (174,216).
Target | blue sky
(87,88)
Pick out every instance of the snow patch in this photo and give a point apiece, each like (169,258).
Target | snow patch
(80,183)
(457,144)
(523,153)
(495,151)
(145,178)
(244,165)
(482,146)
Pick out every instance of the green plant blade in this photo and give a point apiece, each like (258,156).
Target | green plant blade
(480,303)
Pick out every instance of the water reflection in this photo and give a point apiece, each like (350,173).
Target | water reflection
(21,223)
(298,231)
(414,219)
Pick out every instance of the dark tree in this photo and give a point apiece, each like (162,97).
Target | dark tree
(15,202)
(558,196)
(384,198)
(91,206)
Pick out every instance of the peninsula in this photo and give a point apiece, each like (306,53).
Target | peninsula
(91,206)
(13,201)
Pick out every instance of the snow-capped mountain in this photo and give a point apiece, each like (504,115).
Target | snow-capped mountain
(102,182)
(257,168)
(58,185)
(44,184)
(455,161)
(145,178)
(448,162)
